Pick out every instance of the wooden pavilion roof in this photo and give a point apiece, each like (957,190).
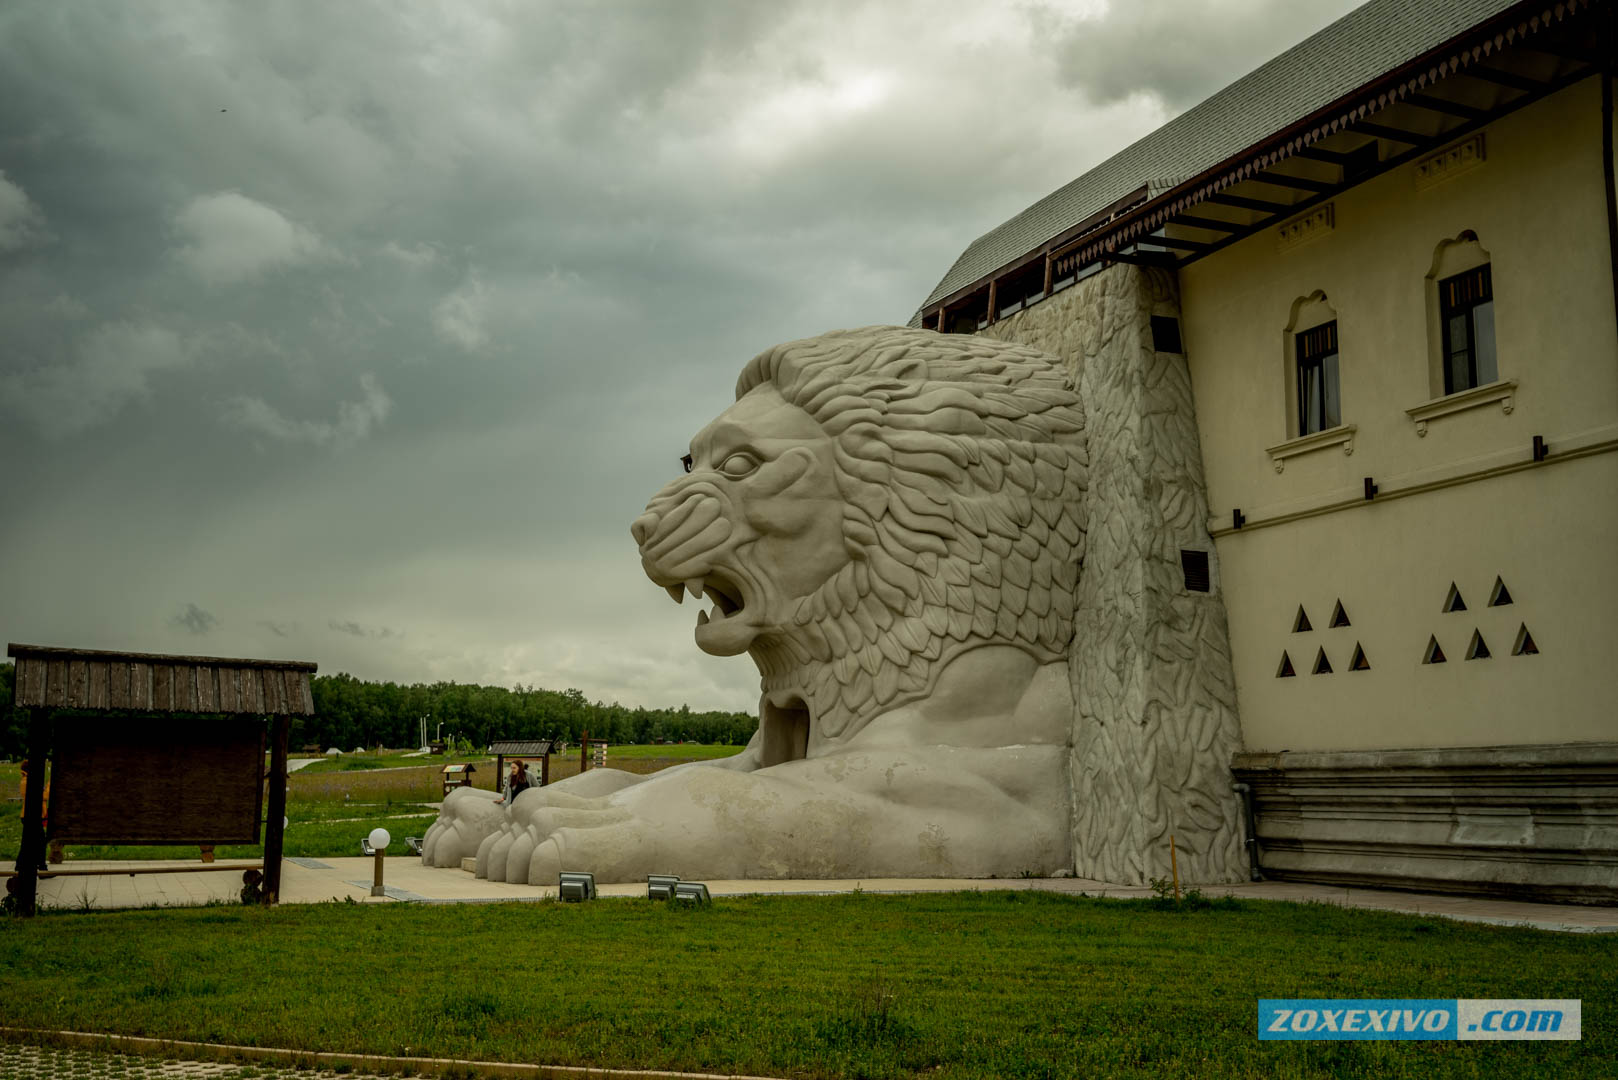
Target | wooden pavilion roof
(92,679)
(521,747)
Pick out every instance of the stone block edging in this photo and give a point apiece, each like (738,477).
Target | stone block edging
(418,1066)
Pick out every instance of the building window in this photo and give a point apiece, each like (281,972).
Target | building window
(1319,406)
(1466,313)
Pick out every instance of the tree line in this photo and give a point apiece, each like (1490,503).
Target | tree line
(352,713)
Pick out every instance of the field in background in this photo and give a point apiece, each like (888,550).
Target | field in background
(947,986)
(334,802)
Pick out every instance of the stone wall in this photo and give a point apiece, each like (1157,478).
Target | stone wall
(1530,822)
(1156,721)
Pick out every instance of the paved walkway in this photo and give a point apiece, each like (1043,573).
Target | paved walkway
(19,1062)
(307,881)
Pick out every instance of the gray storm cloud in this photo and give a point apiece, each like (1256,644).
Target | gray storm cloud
(402,312)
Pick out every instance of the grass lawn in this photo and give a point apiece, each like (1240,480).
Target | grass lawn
(962,985)
(388,759)
(335,801)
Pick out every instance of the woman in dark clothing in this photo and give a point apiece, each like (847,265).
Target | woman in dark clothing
(516,782)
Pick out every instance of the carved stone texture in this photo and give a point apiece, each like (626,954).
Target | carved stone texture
(1156,720)
(889,522)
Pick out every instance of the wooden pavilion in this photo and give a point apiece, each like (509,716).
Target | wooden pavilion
(527,750)
(153,749)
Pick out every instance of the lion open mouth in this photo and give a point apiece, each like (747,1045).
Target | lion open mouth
(726,596)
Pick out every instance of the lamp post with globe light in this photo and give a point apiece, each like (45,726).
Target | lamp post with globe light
(378,841)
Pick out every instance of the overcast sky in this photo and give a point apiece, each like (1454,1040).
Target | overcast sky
(360,332)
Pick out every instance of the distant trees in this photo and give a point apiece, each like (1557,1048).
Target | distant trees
(351,712)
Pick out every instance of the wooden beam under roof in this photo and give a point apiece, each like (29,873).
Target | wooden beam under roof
(1503,78)
(1392,134)
(1339,158)
(1191,221)
(1433,103)
(1176,242)
(1263,206)
(1301,183)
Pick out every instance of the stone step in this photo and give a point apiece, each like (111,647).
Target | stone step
(470,864)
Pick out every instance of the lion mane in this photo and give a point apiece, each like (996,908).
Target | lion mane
(961,464)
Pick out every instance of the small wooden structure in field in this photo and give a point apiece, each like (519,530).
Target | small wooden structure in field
(526,750)
(153,749)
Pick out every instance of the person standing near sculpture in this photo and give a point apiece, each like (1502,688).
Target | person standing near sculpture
(516,782)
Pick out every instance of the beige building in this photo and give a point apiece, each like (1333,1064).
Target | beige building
(1348,337)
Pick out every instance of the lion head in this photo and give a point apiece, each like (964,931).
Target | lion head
(874,504)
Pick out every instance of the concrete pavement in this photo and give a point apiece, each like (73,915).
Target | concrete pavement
(306,881)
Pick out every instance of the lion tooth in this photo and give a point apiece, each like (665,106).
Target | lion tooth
(694,587)
(702,618)
(677,592)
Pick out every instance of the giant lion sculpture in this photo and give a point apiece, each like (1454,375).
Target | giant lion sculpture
(888,522)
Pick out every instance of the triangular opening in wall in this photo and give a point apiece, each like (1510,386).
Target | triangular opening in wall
(1301,623)
(1434,654)
(1339,617)
(1359,663)
(1453,601)
(1499,596)
(1525,643)
(1285,670)
(1322,665)
(1478,649)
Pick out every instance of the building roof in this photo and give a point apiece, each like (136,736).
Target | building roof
(1364,44)
(48,677)
(522,747)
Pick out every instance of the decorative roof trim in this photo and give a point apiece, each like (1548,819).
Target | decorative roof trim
(1118,229)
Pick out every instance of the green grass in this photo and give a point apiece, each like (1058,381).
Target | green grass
(668,752)
(952,986)
(389,759)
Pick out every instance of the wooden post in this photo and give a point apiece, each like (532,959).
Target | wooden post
(545,770)
(32,852)
(1050,266)
(275,814)
(499,771)
(1174,868)
(994,289)
(584,753)
(943,325)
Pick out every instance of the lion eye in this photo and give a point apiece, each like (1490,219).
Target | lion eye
(738,465)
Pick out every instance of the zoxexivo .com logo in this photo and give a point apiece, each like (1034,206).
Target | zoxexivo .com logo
(1418,1018)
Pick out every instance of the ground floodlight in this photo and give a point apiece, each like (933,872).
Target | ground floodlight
(694,891)
(661,886)
(575,886)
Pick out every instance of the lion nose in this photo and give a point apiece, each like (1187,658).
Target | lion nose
(643,527)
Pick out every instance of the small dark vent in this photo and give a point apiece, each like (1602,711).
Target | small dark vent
(1285,670)
(1195,566)
(1525,643)
(1301,623)
(1433,655)
(1322,665)
(1499,596)
(1359,663)
(1166,334)
(1478,649)
(1453,601)
(1339,617)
